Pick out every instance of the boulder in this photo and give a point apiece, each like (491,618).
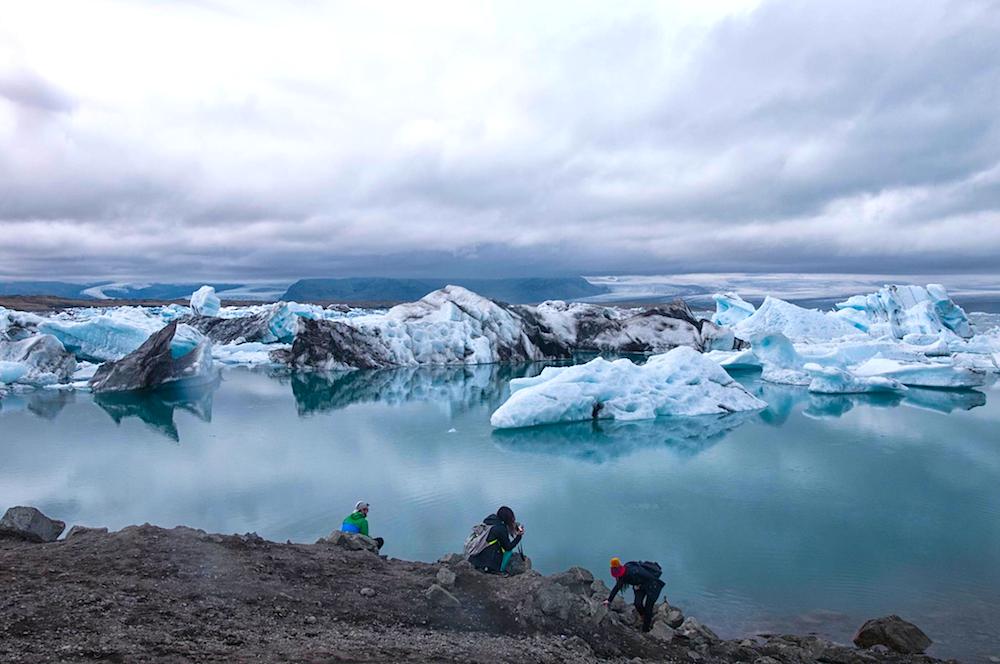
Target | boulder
(673,617)
(350,541)
(576,579)
(450,559)
(694,630)
(30,524)
(553,600)
(79,531)
(518,565)
(445,577)
(894,632)
(438,596)
(662,632)
(367,592)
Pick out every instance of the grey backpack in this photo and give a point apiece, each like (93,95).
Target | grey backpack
(477,540)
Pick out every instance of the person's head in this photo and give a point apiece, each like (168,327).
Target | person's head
(617,569)
(506,515)
(361,506)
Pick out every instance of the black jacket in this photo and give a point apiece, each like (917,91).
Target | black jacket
(491,557)
(635,575)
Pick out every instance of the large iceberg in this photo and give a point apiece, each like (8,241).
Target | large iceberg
(455,326)
(923,374)
(36,360)
(154,364)
(204,302)
(679,382)
(794,322)
(899,311)
(114,333)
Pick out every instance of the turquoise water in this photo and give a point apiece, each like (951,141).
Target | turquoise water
(812,515)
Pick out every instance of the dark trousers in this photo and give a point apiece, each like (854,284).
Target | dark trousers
(645,600)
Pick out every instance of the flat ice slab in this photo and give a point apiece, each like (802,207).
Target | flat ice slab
(679,382)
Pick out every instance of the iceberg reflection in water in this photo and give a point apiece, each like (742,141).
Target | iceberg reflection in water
(460,386)
(603,440)
(782,400)
(156,408)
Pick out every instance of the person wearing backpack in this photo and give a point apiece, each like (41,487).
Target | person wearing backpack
(644,577)
(491,544)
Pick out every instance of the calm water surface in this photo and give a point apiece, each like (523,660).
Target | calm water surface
(812,515)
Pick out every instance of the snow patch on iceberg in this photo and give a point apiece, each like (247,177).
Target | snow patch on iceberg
(680,382)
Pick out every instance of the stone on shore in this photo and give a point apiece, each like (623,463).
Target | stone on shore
(892,631)
(30,524)
(445,577)
(441,597)
(78,531)
(350,541)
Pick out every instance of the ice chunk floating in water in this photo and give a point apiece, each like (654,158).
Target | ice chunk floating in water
(204,302)
(730,309)
(679,382)
(901,310)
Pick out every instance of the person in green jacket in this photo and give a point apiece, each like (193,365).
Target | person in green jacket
(357,522)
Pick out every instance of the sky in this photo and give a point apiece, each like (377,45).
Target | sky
(259,140)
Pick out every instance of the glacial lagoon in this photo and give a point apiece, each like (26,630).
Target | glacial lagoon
(812,515)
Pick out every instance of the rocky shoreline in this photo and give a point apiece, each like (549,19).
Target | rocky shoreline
(149,594)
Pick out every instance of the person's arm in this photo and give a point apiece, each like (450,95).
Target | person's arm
(364,527)
(503,537)
(619,584)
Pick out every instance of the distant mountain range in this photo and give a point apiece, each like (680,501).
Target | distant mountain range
(351,289)
(383,289)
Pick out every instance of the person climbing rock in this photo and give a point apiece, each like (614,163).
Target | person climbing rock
(491,544)
(644,577)
(357,522)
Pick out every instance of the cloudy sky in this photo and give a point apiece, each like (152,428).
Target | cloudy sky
(208,140)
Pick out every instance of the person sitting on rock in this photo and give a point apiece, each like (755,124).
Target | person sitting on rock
(357,522)
(503,536)
(644,577)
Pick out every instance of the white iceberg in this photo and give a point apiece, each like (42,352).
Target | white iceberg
(679,382)
(204,302)
(923,374)
(730,309)
(737,360)
(794,322)
(831,380)
(37,360)
(898,311)
(114,333)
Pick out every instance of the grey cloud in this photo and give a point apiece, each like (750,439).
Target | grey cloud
(27,89)
(798,136)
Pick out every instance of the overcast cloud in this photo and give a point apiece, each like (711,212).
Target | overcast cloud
(214,140)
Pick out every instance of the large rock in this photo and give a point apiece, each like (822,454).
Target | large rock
(694,630)
(350,541)
(438,596)
(576,579)
(894,632)
(83,531)
(153,365)
(30,524)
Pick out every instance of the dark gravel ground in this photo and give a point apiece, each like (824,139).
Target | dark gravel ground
(146,594)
